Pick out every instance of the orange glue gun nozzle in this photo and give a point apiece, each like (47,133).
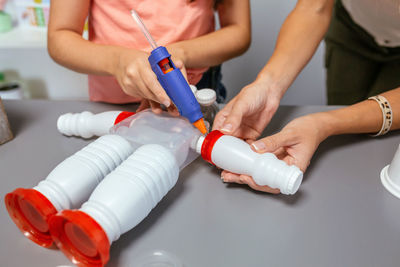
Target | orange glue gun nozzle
(199,124)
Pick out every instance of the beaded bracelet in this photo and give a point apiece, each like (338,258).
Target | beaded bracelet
(387,114)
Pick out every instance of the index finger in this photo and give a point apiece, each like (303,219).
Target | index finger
(222,115)
(263,188)
(150,79)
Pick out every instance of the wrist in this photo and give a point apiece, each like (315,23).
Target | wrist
(178,53)
(324,124)
(271,83)
(115,60)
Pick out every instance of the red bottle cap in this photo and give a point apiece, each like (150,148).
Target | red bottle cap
(208,144)
(31,210)
(122,116)
(80,238)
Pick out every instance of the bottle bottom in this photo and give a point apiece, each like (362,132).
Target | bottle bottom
(30,211)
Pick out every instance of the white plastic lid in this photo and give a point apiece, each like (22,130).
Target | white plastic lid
(390,175)
(206,96)
(294,181)
(390,185)
(199,144)
(193,88)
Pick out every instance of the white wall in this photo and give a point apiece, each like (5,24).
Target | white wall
(41,76)
(267,17)
(47,79)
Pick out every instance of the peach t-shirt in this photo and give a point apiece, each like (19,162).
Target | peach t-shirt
(168,21)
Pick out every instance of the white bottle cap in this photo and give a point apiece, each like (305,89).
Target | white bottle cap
(193,88)
(199,144)
(206,96)
(294,181)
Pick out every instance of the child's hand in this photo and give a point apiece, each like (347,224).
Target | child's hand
(134,66)
(136,78)
(177,56)
(156,107)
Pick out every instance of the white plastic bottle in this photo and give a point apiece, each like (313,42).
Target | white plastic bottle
(87,125)
(69,184)
(122,200)
(235,155)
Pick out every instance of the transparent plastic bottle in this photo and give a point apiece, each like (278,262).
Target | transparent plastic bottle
(175,133)
(207,100)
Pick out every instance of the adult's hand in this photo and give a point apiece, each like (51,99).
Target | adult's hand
(248,113)
(295,144)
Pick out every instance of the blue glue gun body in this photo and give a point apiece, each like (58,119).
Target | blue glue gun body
(174,84)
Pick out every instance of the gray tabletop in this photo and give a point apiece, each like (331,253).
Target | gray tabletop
(342,215)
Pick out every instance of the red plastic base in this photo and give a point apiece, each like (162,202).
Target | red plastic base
(80,238)
(31,211)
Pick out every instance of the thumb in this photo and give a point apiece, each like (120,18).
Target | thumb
(271,143)
(234,118)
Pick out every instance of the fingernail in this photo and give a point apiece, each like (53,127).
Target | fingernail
(258,146)
(222,177)
(227,128)
(166,103)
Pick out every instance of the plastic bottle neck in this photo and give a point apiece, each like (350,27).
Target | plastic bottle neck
(209,104)
(206,144)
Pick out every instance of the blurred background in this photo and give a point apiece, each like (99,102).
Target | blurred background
(29,72)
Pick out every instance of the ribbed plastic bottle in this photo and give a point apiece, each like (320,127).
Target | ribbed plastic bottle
(87,125)
(67,186)
(235,155)
(122,200)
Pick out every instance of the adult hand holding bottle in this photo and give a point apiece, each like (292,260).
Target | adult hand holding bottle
(248,113)
(298,140)
(246,116)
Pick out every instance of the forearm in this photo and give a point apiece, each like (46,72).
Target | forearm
(298,39)
(230,41)
(214,48)
(66,45)
(72,51)
(363,117)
